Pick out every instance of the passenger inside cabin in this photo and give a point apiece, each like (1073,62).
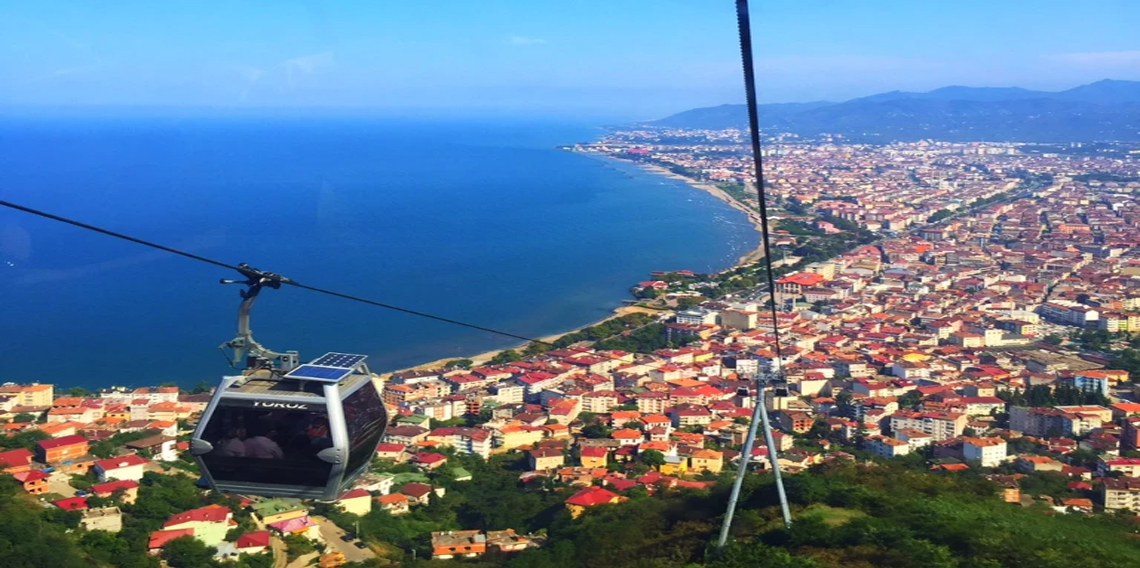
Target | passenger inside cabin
(261,443)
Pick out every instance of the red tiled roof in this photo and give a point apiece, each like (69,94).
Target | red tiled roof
(71,503)
(62,441)
(416,490)
(207,514)
(622,484)
(254,539)
(33,475)
(430,458)
(158,539)
(112,464)
(592,496)
(15,458)
(355,494)
(392,499)
(113,486)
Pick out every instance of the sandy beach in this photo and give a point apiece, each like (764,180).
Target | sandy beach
(484,357)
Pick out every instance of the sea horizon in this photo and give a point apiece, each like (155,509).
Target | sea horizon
(482,221)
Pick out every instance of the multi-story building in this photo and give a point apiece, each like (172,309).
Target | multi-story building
(1130,433)
(940,425)
(1121,494)
(990,452)
(887,447)
(1128,467)
(61,449)
(35,394)
(465,440)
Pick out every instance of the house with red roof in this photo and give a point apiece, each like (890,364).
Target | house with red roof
(159,539)
(429,460)
(61,449)
(590,497)
(121,468)
(394,503)
(419,493)
(15,461)
(542,459)
(34,481)
(127,488)
(394,452)
(793,284)
(628,436)
(594,456)
(71,503)
(253,542)
(357,502)
(208,524)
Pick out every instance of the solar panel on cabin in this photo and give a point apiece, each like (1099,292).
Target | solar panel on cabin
(342,360)
(331,374)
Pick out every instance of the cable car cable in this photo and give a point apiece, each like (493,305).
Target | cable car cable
(754,135)
(280,279)
(110,233)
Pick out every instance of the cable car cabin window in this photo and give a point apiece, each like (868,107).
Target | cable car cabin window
(277,446)
(365,419)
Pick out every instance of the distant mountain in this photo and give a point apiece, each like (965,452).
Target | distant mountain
(1105,110)
(956,93)
(732,116)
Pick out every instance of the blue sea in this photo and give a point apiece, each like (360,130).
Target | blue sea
(478,220)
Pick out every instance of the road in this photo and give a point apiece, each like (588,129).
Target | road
(278,546)
(332,533)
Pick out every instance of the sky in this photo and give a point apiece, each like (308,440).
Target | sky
(634,59)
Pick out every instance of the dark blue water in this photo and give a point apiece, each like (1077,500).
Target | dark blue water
(481,222)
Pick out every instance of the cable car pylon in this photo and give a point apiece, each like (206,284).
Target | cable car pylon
(764,378)
(770,375)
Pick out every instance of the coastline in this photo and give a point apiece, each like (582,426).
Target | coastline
(486,356)
(750,257)
(753,216)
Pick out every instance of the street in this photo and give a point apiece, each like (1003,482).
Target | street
(332,533)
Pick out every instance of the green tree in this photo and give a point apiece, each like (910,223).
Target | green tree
(459,363)
(758,555)
(297,545)
(189,552)
(78,391)
(26,440)
(24,417)
(507,356)
(652,458)
(939,215)
(203,387)
(597,430)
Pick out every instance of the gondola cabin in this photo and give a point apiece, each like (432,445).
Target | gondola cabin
(307,433)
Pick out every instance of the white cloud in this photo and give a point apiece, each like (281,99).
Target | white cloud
(523,40)
(306,65)
(248,77)
(1099,59)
